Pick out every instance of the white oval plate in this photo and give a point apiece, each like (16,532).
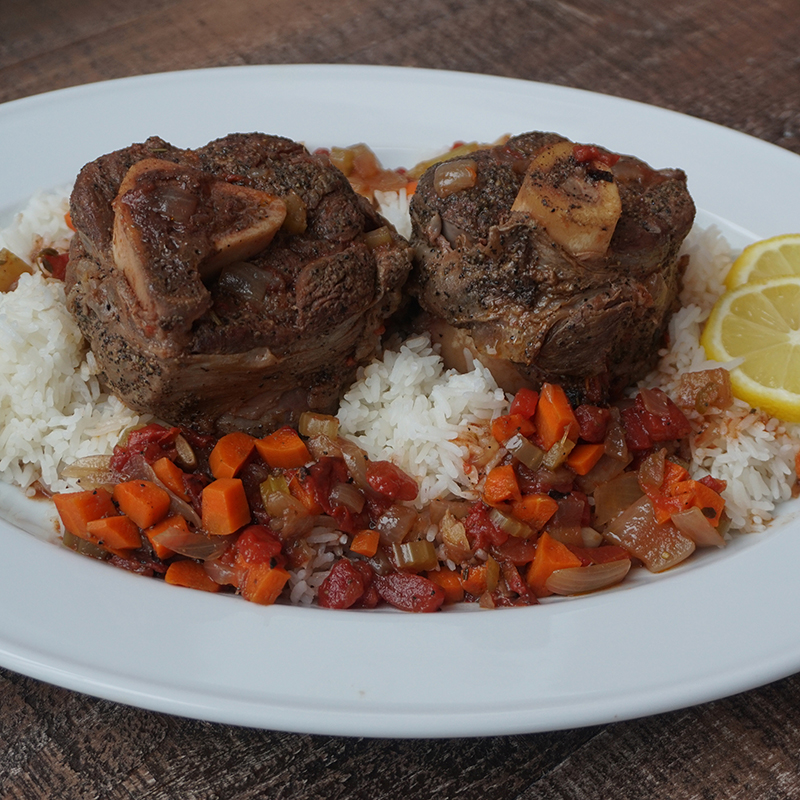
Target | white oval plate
(719,625)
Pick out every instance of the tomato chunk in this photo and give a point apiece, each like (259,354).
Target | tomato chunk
(410,592)
(390,481)
(343,586)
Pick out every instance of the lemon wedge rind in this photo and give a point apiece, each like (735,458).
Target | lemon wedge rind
(758,324)
(769,258)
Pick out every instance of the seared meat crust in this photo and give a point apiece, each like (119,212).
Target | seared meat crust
(229,287)
(591,320)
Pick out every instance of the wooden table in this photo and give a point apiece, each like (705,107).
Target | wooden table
(729,61)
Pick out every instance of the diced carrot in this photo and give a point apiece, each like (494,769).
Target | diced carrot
(365,543)
(114,533)
(224,506)
(673,475)
(230,454)
(143,501)
(283,449)
(449,581)
(707,500)
(263,584)
(76,509)
(171,475)
(507,425)
(411,187)
(797,465)
(191,575)
(535,509)
(554,416)
(473,580)
(68,220)
(176,521)
(501,485)
(550,556)
(524,402)
(302,491)
(584,456)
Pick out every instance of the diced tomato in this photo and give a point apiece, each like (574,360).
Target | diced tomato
(56,264)
(323,476)
(343,586)
(515,550)
(524,403)
(589,152)
(390,481)
(151,442)
(481,531)
(257,544)
(643,429)
(593,422)
(410,592)
(716,484)
(370,598)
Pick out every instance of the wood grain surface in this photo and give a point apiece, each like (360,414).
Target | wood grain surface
(733,62)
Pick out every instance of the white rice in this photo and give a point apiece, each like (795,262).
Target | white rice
(753,452)
(408,409)
(52,410)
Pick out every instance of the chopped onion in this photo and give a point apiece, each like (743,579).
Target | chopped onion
(614,496)
(289,518)
(655,402)
(84,547)
(296,220)
(186,455)
(492,574)
(380,237)
(395,523)
(312,424)
(323,446)
(193,545)
(177,505)
(695,525)
(416,556)
(525,451)
(614,443)
(356,462)
(220,572)
(347,495)
(454,537)
(454,176)
(90,471)
(591,537)
(510,525)
(577,580)
(658,546)
(651,470)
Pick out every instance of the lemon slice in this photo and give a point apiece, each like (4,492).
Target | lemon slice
(759,322)
(770,258)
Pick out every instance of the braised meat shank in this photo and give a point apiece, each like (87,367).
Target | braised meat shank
(230,287)
(551,261)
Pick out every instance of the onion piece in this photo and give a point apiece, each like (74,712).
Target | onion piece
(395,523)
(651,470)
(347,495)
(454,176)
(614,443)
(525,451)
(186,455)
(578,580)
(90,471)
(591,537)
(655,402)
(220,572)
(356,462)
(657,546)
(695,525)
(177,505)
(192,544)
(454,538)
(323,446)
(614,496)
(510,525)
(380,237)
(289,518)
(312,424)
